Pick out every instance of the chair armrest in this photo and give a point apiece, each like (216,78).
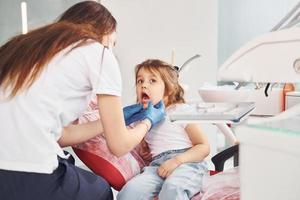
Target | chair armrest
(219,159)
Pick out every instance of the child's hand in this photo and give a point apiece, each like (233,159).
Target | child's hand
(168,167)
(144,151)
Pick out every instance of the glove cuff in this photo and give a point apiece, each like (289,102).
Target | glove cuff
(151,122)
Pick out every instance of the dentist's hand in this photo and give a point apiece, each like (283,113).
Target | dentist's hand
(155,113)
(131,110)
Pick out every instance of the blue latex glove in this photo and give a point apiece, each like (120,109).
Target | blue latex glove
(129,111)
(154,113)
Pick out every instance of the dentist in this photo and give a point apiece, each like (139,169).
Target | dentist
(46,77)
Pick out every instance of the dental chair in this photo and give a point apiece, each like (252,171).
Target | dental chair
(220,159)
(222,184)
(218,184)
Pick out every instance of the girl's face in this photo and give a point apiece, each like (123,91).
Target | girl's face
(110,40)
(149,87)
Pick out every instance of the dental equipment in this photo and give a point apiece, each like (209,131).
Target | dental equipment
(271,58)
(272,143)
(188,61)
(219,114)
(214,112)
(276,52)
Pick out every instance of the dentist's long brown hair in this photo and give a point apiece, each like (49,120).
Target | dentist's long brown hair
(24,57)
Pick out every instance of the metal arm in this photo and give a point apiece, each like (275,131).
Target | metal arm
(291,19)
(188,61)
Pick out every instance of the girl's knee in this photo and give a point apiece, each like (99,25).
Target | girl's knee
(170,190)
(132,190)
(127,191)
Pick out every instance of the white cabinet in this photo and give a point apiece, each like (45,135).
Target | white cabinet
(270,160)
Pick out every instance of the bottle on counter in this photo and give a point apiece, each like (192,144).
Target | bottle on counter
(288,87)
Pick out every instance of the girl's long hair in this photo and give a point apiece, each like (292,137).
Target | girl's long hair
(173,91)
(24,57)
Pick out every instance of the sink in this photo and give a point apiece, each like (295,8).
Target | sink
(223,94)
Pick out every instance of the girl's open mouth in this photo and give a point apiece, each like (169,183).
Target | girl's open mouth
(145,98)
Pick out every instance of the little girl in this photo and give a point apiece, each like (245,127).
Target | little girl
(178,150)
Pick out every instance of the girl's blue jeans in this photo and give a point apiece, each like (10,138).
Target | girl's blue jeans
(184,182)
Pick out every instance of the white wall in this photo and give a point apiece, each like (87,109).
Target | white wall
(151,29)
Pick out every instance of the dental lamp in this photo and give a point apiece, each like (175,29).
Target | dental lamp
(270,58)
(273,57)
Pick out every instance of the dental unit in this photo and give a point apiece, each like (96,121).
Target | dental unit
(269,146)
(267,61)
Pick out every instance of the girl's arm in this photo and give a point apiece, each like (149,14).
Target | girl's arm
(201,146)
(120,140)
(197,153)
